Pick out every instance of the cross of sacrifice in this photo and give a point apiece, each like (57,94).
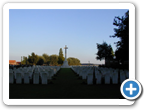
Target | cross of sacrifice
(65,51)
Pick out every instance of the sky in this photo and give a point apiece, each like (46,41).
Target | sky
(47,30)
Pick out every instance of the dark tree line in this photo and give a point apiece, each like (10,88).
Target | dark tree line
(121,31)
(52,60)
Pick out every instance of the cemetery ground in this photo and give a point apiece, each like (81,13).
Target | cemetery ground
(66,84)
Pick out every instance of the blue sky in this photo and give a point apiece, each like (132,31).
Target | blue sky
(47,30)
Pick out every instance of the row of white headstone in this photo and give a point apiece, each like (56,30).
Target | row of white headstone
(107,73)
(34,73)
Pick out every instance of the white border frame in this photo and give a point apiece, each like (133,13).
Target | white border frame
(8,6)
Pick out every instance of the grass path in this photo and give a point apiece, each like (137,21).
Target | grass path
(65,85)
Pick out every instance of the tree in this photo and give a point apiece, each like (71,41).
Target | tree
(41,60)
(47,58)
(70,61)
(33,59)
(122,32)
(73,61)
(60,57)
(24,61)
(112,52)
(54,60)
(105,51)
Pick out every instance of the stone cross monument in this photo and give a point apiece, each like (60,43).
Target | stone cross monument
(65,52)
(65,63)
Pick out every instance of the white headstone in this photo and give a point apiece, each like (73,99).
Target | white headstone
(36,78)
(26,78)
(98,78)
(127,73)
(15,71)
(44,78)
(107,78)
(55,70)
(80,71)
(115,77)
(84,75)
(122,76)
(90,79)
(18,78)
(11,78)
(49,75)
(30,74)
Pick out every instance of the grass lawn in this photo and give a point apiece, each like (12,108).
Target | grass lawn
(65,85)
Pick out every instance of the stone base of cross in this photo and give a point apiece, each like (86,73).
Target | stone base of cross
(65,63)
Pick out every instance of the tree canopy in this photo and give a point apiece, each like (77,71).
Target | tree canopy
(73,61)
(122,32)
(60,57)
(47,58)
(41,60)
(24,61)
(33,59)
(54,60)
(105,51)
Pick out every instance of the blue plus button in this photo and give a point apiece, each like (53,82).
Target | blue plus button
(131,89)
